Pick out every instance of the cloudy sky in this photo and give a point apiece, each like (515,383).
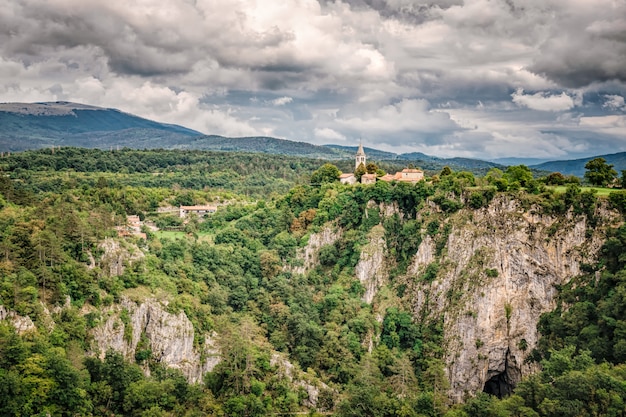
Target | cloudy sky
(475,78)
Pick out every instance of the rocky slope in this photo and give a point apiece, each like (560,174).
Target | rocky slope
(488,275)
(372,270)
(496,275)
(131,327)
(308,256)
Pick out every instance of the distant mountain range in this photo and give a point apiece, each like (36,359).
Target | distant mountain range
(520,161)
(577,166)
(39,125)
(26,126)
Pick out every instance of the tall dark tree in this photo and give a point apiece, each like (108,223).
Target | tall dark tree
(360,171)
(599,172)
(371,168)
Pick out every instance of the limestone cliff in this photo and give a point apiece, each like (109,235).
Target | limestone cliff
(117,255)
(132,327)
(22,324)
(496,274)
(308,256)
(371,269)
(169,337)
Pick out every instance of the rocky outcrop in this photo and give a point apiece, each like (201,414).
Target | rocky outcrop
(130,327)
(371,270)
(308,257)
(22,324)
(299,379)
(387,209)
(116,257)
(496,276)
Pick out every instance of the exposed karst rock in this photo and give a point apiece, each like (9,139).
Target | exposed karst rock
(312,386)
(309,255)
(386,209)
(371,270)
(117,256)
(132,327)
(496,275)
(22,324)
(147,325)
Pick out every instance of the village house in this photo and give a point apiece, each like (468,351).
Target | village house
(131,228)
(199,211)
(406,175)
(368,178)
(347,178)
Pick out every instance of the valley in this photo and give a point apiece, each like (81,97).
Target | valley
(457,295)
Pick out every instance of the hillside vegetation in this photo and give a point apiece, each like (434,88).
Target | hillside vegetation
(293,333)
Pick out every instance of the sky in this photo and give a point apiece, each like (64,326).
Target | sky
(452,78)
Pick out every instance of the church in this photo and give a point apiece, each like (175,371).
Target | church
(409,175)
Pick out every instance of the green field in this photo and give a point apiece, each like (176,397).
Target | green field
(599,191)
(167,234)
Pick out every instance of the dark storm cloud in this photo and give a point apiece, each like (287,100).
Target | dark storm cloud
(583,49)
(41,29)
(453,77)
(407,10)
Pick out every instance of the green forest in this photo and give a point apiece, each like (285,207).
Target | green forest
(234,275)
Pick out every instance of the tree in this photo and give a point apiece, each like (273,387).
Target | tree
(518,173)
(360,171)
(326,173)
(555,178)
(493,174)
(403,379)
(371,168)
(599,172)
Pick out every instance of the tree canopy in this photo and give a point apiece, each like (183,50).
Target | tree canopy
(326,173)
(599,172)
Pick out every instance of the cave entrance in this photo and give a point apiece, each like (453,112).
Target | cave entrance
(499,385)
(502,384)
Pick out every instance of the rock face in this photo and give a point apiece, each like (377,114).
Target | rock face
(22,324)
(117,257)
(371,269)
(496,275)
(131,327)
(298,378)
(309,255)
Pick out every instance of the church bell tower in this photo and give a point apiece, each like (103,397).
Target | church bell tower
(360,156)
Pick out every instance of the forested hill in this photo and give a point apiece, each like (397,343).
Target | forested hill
(266,144)
(39,125)
(577,166)
(302,295)
(255,175)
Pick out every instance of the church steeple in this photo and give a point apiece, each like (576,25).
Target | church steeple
(360,156)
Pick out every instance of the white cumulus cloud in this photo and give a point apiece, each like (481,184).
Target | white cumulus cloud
(281,101)
(543,101)
(614,102)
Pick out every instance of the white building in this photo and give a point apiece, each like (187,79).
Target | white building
(200,211)
(360,157)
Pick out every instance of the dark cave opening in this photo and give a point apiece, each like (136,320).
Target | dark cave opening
(502,384)
(499,385)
